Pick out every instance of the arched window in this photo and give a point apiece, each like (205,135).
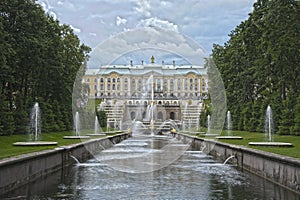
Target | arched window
(95,80)
(132,115)
(118,80)
(172,115)
(101,80)
(126,80)
(113,80)
(160,116)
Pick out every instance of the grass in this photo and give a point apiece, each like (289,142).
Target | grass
(260,137)
(8,150)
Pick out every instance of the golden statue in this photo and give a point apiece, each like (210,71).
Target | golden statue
(152,59)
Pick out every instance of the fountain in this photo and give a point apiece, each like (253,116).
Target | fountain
(208,124)
(35,130)
(269,124)
(208,133)
(228,123)
(229,158)
(97,128)
(229,127)
(269,132)
(77,129)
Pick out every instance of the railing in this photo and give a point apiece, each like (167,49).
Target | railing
(148,98)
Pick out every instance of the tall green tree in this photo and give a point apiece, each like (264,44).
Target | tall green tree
(260,64)
(39,60)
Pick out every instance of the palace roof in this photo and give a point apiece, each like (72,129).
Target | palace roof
(167,70)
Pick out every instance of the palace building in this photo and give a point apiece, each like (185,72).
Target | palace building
(172,88)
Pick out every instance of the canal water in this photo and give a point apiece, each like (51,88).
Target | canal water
(154,167)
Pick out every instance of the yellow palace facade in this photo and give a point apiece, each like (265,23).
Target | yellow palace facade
(128,81)
(133,87)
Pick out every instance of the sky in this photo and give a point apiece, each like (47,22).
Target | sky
(101,22)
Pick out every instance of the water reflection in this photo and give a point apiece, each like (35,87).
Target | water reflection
(194,175)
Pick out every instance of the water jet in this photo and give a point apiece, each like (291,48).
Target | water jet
(269,131)
(77,129)
(35,130)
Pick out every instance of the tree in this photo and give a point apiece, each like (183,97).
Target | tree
(296,127)
(39,60)
(102,118)
(259,64)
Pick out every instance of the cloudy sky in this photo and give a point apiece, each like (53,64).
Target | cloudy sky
(204,21)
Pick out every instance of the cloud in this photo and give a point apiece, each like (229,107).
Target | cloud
(120,21)
(154,22)
(205,21)
(48,9)
(76,30)
(163,42)
(143,7)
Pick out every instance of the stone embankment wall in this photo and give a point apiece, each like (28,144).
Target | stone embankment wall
(279,169)
(17,171)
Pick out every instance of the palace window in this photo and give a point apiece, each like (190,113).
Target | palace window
(118,87)
(108,80)
(113,80)
(165,84)
(113,86)
(126,80)
(95,87)
(95,80)
(101,80)
(118,80)
(126,87)
(101,87)
(108,86)
(88,80)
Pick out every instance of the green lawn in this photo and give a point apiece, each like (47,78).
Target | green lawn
(8,150)
(260,137)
